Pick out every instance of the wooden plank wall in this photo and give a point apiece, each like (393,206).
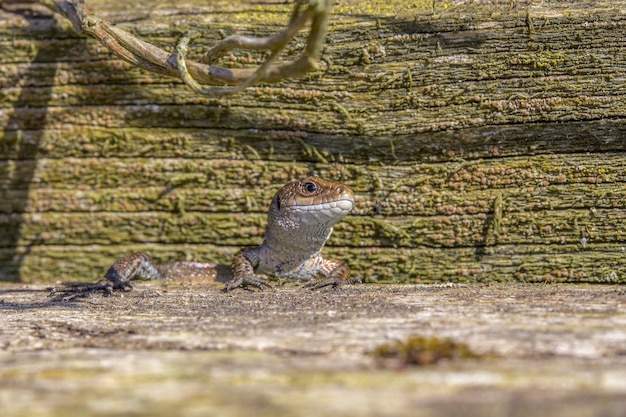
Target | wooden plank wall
(485,141)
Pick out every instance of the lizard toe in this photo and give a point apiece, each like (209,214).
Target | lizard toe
(335,283)
(260,282)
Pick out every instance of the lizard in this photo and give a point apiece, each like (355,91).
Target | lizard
(301,217)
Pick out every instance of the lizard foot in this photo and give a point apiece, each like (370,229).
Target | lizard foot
(73,291)
(335,283)
(257,281)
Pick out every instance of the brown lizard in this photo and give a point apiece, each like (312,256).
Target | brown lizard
(300,221)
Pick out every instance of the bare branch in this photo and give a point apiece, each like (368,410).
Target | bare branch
(154,59)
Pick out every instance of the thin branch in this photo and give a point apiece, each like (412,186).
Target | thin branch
(154,59)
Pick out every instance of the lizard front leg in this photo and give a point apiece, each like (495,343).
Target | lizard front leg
(333,273)
(136,266)
(243,266)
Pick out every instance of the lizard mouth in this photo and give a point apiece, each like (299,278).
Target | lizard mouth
(324,213)
(344,204)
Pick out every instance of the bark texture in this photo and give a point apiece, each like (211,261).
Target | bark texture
(485,141)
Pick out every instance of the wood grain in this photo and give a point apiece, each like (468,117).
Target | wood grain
(485,141)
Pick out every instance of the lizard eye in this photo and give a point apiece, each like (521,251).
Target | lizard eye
(309,187)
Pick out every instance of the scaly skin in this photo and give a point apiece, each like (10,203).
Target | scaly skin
(300,221)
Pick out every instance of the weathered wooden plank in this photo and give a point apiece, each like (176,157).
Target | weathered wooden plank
(329,118)
(485,141)
(497,173)
(466,70)
(565,263)
(599,136)
(172,200)
(554,227)
(393,202)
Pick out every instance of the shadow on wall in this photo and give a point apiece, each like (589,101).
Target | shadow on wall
(22,135)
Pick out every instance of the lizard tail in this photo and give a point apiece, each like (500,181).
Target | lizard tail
(139,266)
(194,272)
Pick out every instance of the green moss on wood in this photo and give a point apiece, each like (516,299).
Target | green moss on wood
(599,263)
(485,142)
(421,351)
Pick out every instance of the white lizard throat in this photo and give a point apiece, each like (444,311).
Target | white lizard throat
(300,231)
(298,228)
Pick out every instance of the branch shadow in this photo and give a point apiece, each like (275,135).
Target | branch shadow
(20,152)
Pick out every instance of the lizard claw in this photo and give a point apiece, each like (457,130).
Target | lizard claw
(336,283)
(257,281)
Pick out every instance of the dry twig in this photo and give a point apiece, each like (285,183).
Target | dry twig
(151,58)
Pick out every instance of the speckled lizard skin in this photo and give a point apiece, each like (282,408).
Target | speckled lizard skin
(300,221)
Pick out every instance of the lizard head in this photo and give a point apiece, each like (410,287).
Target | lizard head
(311,202)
